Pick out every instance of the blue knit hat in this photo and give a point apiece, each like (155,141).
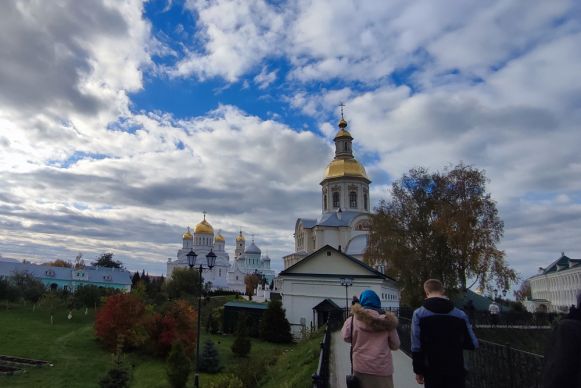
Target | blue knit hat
(369,299)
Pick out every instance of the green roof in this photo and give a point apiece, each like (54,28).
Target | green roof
(258,306)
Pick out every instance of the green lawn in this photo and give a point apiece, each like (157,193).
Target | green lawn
(530,340)
(79,360)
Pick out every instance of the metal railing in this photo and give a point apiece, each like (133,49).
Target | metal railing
(513,319)
(501,366)
(492,364)
(321,376)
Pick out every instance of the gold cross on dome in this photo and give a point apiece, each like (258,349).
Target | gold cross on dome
(342,106)
(204,212)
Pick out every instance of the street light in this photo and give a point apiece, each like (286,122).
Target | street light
(346,282)
(191,258)
(210,261)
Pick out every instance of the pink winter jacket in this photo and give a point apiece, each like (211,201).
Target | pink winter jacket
(374,337)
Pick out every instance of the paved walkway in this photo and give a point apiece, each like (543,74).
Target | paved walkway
(340,366)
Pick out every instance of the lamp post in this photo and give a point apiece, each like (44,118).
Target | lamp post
(210,261)
(191,258)
(346,282)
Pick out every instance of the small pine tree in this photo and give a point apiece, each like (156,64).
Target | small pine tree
(210,359)
(241,346)
(274,326)
(118,376)
(178,366)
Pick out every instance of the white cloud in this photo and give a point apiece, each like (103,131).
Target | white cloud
(265,78)
(236,36)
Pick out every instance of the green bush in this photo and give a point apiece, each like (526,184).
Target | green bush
(115,378)
(227,381)
(242,345)
(274,327)
(210,359)
(178,366)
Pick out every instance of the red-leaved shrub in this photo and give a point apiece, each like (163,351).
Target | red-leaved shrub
(123,317)
(177,324)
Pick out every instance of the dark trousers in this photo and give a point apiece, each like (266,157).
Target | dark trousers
(433,380)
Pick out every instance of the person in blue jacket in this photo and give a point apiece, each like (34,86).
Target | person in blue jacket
(440,333)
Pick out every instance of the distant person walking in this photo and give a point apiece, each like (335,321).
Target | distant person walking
(563,354)
(372,334)
(440,333)
(494,312)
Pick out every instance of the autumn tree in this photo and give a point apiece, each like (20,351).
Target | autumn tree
(59,263)
(440,225)
(176,324)
(106,260)
(122,316)
(524,292)
(251,282)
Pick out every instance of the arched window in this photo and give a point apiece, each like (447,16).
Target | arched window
(336,199)
(325,201)
(353,199)
(365,201)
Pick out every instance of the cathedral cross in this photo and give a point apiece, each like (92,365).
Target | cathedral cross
(342,106)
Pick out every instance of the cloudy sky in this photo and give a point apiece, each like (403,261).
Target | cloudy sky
(121,121)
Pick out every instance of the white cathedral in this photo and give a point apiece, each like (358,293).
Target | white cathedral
(344,220)
(224,275)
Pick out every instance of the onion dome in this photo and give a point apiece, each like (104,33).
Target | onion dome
(345,168)
(253,249)
(219,238)
(187,235)
(240,237)
(204,227)
(342,131)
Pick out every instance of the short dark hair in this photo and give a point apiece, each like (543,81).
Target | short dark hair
(433,285)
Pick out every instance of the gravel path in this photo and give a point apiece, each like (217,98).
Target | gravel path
(340,366)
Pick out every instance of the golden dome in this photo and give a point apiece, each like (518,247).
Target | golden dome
(343,133)
(342,123)
(204,227)
(187,235)
(240,237)
(219,238)
(345,167)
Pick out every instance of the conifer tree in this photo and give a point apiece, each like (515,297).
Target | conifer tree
(210,359)
(274,326)
(241,346)
(178,366)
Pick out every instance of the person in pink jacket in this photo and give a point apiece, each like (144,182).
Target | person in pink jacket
(374,337)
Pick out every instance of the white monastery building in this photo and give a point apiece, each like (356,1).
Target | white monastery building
(319,280)
(224,275)
(555,288)
(202,242)
(327,269)
(248,260)
(344,220)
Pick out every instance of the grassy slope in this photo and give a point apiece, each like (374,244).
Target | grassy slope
(295,366)
(69,345)
(533,340)
(78,359)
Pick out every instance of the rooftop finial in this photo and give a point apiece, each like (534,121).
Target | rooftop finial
(204,212)
(342,122)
